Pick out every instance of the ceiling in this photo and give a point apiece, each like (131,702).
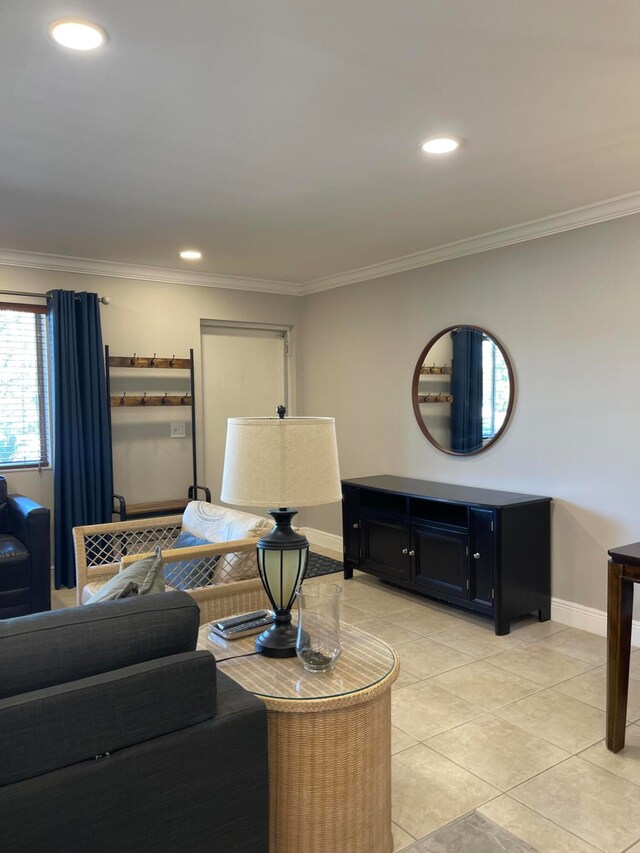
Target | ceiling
(280,137)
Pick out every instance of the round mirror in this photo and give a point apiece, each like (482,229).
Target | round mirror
(463,390)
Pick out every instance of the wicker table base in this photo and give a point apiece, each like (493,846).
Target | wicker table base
(330,776)
(329,757)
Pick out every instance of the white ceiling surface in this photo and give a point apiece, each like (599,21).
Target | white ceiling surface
(281,137)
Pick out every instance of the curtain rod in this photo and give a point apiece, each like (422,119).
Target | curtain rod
(104,300)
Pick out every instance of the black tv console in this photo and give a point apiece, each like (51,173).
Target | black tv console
(483,550)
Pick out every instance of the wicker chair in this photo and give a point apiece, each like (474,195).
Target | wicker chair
(102,550)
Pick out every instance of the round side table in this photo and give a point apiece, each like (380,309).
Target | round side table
(329,743)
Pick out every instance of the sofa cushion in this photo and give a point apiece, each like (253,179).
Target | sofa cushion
(190,574)
(15,564)
(142,577)
(221,524)
(43,649)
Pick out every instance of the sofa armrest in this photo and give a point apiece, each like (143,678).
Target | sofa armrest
(46,649)
(205,787)
(45,730)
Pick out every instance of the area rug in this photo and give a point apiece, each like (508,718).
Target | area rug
(319,565)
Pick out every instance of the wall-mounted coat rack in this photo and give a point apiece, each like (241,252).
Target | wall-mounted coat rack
(435,398)
(144,400)
(154,508)
(434,370)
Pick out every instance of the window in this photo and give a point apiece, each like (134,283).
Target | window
(24,421)
(495,388)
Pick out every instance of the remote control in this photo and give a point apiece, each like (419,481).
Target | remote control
(243,628)
(232,621)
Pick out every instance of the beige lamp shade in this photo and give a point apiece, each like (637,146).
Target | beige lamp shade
(281,462)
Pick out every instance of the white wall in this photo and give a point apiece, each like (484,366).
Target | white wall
(146,318)
(567,309)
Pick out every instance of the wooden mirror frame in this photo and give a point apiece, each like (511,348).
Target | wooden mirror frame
(416,379)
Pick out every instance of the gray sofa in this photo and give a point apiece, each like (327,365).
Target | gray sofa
(115,735)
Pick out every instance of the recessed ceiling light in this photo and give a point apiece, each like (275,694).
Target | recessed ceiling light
(190,255)
(440,145)
(77,34)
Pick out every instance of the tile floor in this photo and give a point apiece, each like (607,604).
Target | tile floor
(509,728)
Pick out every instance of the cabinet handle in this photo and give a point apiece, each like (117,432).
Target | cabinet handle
(412,553)
(405,550)
(476,556)
(355,526)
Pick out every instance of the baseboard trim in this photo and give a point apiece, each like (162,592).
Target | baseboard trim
(587,618)
(330,541)
(566,612)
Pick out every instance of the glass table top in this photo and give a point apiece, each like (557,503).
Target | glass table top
(364,662)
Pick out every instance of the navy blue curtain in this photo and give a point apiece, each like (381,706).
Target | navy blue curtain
(82,447)
(466,388)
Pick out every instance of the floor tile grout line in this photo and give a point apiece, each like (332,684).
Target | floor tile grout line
(539,688)
(486,781)
(535,811)
(551,821)
(576,755)
(600,767)
(570,754)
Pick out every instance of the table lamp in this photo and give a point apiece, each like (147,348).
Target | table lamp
(283,463)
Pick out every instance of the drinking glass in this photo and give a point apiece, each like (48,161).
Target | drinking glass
(318,643)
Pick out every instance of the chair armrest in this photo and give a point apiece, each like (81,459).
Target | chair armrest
(176,555)
(30,523)
(88,568)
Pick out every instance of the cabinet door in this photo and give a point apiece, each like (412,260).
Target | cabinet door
(385,546)
(440,560)
(350,526)
(482,577)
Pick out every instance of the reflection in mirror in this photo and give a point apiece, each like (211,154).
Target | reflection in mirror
(463,390)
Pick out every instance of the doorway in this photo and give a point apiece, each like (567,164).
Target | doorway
(244,374)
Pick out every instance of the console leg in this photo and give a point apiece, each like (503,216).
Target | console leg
(502,625)
(348,573)
(544,613)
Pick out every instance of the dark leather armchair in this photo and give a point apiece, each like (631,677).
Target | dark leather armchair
(25,563)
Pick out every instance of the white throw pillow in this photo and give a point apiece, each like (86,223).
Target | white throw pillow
(221,524)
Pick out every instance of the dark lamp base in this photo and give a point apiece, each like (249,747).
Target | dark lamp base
(278,641)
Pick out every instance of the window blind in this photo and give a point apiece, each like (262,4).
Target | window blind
(24,399)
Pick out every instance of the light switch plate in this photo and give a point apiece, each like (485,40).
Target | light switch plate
(177,429)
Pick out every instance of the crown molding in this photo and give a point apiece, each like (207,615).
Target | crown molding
(139,272)
(614,208)
(579,217)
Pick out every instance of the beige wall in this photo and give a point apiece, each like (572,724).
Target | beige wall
(566,307)
(147,318)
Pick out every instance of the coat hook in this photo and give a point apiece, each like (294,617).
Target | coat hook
(153,360)
(164,399)
(185,398)
(143,402)
(133,360)
(124,394)
(173,358)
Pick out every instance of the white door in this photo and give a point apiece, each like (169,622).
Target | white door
(244,374)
